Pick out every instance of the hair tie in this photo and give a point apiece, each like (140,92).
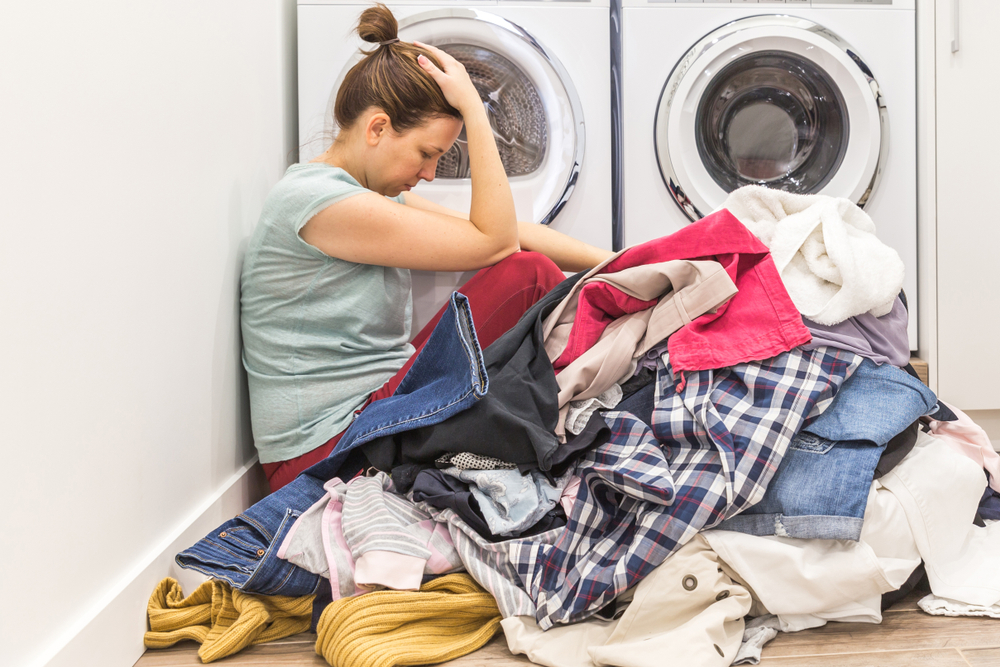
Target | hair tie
(389,41)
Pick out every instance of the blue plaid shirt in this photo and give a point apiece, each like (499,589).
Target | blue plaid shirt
(716,439)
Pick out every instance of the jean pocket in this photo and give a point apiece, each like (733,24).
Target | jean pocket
(814,444)
(243,540)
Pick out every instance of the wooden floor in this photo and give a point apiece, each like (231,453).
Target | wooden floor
(907,637)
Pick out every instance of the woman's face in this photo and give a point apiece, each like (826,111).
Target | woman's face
(403,160)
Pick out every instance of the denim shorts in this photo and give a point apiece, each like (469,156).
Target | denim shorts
(821,486)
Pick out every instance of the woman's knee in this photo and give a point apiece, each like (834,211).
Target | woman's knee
(532,267)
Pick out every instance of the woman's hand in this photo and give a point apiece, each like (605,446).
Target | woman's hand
(454,81)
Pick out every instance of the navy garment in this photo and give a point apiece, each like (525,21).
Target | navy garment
(515,422)
(443,491)
(446,492)
(821,487)
(593,435)
(447,377)
(897,449)
(641,401)
(989,505)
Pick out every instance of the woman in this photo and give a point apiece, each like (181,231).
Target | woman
(326,302)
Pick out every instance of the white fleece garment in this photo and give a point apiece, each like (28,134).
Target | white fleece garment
(825,248)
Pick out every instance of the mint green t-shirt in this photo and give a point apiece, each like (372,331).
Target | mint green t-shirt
(319,333)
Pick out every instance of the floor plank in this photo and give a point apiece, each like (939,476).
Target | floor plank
(494,654)
(295,651)
(982,657)
(898,632)
(909,603)
(932,658)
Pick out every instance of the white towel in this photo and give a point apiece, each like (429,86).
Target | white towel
(825,248)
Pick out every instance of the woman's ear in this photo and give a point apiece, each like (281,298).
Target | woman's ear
(376,127)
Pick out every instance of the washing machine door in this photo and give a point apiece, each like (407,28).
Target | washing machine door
(772,100)
(533,107)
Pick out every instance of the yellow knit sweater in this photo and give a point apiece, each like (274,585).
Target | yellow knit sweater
(221,619)
(447,618)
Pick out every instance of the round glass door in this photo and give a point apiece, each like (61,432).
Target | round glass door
(769,100)
(513,106)
(533,107)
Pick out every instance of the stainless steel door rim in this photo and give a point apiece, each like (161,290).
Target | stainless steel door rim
(776,100)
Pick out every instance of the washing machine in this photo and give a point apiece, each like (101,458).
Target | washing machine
(542,69)
(808,96)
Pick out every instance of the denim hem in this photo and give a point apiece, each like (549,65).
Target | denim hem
(807,527)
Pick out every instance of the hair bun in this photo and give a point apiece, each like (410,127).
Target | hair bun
(377,24)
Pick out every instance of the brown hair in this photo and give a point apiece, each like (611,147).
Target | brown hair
(390,78)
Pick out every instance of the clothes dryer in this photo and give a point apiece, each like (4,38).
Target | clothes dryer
(542,71)
(808,96)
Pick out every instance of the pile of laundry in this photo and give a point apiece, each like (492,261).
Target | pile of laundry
(707,439)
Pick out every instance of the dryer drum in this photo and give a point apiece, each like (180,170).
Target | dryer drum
(772,118)
(773,100)
(515,110)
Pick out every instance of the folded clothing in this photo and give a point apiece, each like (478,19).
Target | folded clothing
(447,618)
(221,619)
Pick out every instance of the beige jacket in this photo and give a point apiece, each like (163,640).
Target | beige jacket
(686,289)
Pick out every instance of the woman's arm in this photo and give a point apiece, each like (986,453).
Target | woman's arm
(371,229)
(568,253)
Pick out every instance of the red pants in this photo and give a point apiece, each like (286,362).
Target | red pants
(498,296)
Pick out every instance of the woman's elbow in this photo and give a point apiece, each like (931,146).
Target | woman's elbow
(503,252)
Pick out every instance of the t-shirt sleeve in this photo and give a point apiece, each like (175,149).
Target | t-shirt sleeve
(334,195)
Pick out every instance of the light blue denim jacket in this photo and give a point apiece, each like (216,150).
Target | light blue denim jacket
(821,486)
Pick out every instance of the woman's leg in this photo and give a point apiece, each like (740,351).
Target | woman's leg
(498,296)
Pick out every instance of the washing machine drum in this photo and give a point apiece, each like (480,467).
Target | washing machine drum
(775,101)
(533,107)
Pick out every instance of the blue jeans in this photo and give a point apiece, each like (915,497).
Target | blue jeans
(448,377)
(820,489)
(875,404)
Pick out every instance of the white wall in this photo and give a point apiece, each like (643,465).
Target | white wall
(137,143)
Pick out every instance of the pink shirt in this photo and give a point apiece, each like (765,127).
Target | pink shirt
(759,322)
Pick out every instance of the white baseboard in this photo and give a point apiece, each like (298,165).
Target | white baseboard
(111,634)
